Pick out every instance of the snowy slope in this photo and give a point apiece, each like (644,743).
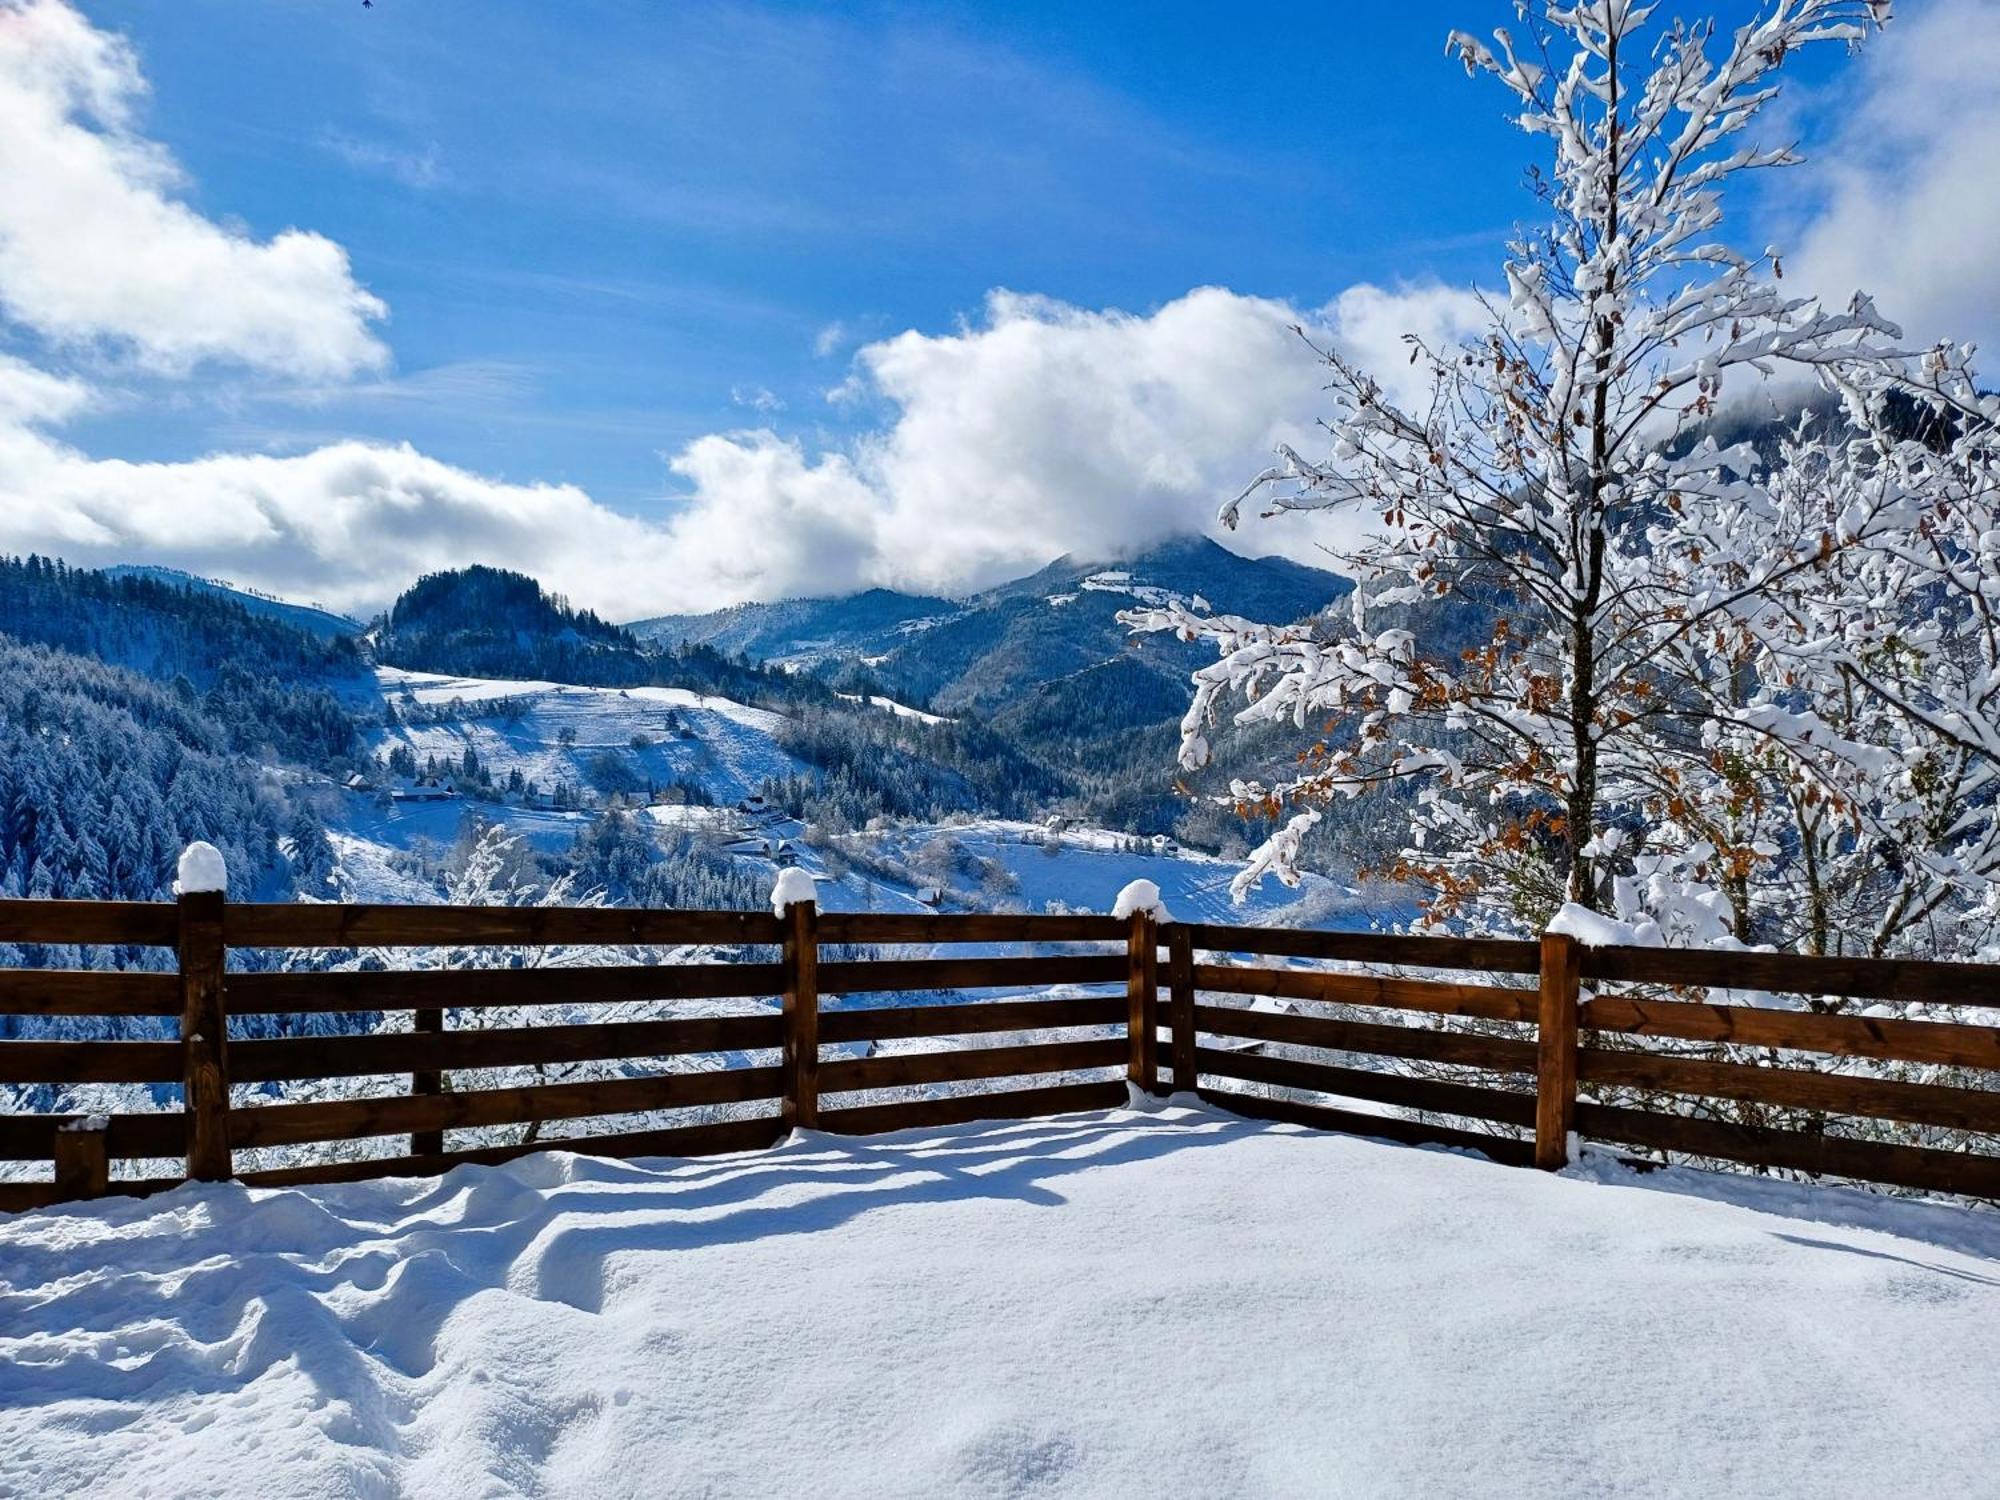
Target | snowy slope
(724,745)
(1176,1303)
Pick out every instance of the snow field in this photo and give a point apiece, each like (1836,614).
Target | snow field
(729,748)
(1170,1299)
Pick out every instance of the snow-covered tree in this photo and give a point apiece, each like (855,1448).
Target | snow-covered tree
(1614,738)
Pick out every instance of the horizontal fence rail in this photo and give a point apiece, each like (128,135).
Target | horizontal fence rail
(1826,1067)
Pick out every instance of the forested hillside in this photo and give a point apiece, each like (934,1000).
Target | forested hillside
(486,622)
(160,628)
(105,777)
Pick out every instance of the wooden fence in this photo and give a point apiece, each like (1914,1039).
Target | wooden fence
(1509,1055)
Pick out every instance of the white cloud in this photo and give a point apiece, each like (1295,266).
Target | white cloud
(1046,428)
(95,249)
(831,339)
(350,524)
(759,398)
(1906,208)
(411,168)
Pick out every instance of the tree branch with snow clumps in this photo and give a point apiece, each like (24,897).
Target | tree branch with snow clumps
(1562,478)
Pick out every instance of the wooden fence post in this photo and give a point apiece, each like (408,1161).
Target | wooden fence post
(1180,1004)
(204,1037)
(83,1165)
(800,1062)
(1142,995)
(428,1083)
(1555,1082)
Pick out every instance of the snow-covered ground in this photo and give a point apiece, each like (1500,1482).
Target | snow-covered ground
(1174,1302)
(724,745)
(900,710)
(552,732)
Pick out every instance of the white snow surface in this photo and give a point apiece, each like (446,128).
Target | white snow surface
(1139,895)
(1595,930)
(201,869)
(791,888)
(1171,1301)
(900,710)
(725,745)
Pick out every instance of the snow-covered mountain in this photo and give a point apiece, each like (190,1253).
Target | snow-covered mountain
(1042,660)
(990,645)
(805,631)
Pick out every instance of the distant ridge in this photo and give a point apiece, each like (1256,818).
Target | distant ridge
(314,618)
(1042,658)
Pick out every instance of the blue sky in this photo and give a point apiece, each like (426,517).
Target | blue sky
(595,222)
(724,272)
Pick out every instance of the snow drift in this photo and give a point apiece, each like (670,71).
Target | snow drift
(1178,1300)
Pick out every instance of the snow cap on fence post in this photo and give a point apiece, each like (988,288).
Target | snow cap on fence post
(794,887)
(1595,930)
(201,869)
(1140,895)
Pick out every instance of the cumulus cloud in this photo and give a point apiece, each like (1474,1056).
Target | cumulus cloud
(1905,203)
(1046,428)
(349,524)
(96,249)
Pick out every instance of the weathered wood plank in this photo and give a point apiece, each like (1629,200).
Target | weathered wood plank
(279,925)
(1488,955)
(1002,1104)
(1142,1002)
(1945,1043)
(1471,1100)
(470,989)
(412,1052)
(137,924)
(347,1119)
(1917,1103)
(204,1036)
(426,1079)
(973,1018)
(1785,973)
(91,1062)
(88,992)
(1180,1004)
(1496,1054)
(1488,1002)
(679,1140)
(83,1166)
(799,1106)
(32,1137)
(917,1068)
(927,927)
(883,976)
(1503,1149)
(1971,1173)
